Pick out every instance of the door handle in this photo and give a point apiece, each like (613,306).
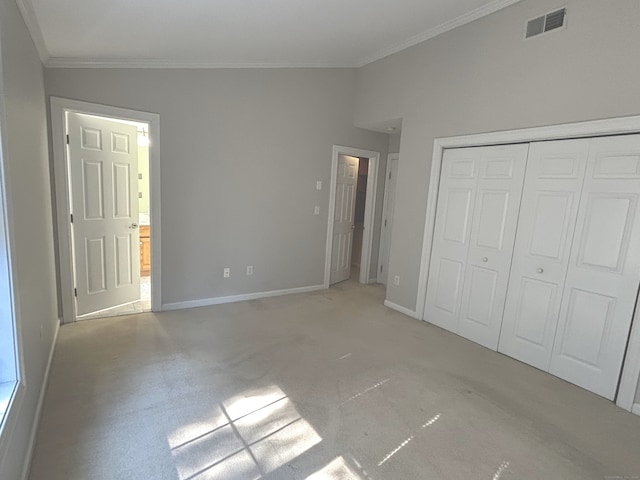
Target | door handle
(133,226)
(353,227)
(540,270)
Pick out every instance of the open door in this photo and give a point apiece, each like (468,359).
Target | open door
(103,172)
(343,220)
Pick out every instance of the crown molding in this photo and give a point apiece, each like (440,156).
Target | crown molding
(31,20)
(463,19)
(64,62)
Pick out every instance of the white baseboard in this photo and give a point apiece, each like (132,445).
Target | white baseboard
(401,309)
(635,409)
(38,412)
(239,298)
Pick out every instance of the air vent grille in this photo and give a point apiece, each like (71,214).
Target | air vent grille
(546,23)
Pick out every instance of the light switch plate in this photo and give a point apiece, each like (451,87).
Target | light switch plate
(316,210)
(319,185)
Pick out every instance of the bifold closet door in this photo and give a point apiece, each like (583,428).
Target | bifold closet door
(493,231)
(478,202)
(604,269)
(456,194)
(552,187)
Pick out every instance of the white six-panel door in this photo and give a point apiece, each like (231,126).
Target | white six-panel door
(343,221)
(493,232)
(387,216)
(478,205)
(103,170)
(555,171)
(604,269)
(456,195)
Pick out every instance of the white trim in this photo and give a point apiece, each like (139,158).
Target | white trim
(68,62)
(31,21)
(614,126)
(59,106)
(401,309)
(36,417)
(369,209)
(386,237)
(239,298)
(463,19)
(635,409)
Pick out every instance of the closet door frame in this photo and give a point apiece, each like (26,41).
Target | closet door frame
(614,126)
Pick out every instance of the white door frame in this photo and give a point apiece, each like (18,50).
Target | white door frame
(384,240)
(59,106)
(369,209)
(613,126)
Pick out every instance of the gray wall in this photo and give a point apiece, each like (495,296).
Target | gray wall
(394,143)
(241,152)
(483,77)
(26,166)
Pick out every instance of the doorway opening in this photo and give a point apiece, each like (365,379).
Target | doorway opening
(351,214)
(106,166)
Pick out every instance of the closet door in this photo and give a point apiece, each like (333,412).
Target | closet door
(604,270)
(553,182)
(457,191)
(499,190)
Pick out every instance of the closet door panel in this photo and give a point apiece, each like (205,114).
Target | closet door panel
(604,271)
(552,186)
(457,190)
(491,245)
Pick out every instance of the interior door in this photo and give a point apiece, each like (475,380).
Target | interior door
(553,182)
(493,230)
(456,195)
(604,270)
(387,215)
(343,220)
(103,169)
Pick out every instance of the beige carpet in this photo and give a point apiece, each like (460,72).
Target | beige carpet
(329,385)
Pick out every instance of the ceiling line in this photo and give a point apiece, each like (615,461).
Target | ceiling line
(30,18)
(463,19)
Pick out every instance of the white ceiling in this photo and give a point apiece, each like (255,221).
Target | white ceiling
(239,33)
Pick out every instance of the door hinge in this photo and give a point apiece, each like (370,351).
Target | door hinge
(389,172)
(385,222)
(72,218)
(380,268)
(75,292)
(67,139)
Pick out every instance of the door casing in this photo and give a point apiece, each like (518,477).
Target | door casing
(59,107)
(369,209)
(606,127)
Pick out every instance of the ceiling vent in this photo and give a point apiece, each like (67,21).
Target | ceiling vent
(546,23)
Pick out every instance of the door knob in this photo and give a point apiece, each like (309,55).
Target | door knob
(133,226)
(485,259)
(353,227)
(540,270)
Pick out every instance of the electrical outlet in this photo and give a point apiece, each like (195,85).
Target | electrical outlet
(319,185)
(249,269)
(396,280)
(226,273)
(316,210)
